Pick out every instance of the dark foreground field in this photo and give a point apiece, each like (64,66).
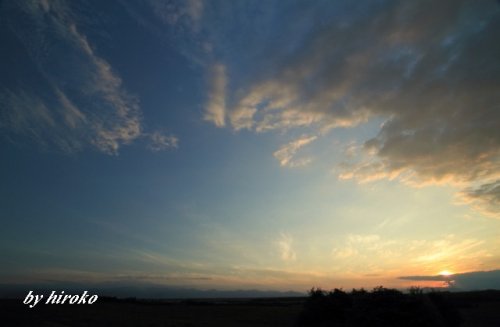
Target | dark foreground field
(474,309)
(233,312)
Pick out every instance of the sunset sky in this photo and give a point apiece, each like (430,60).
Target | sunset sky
(273,145)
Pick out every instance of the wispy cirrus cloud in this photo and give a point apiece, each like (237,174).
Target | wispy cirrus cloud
(373,252)
(216,107)
(285,247)
(195,9)
(159,141)
(430,72)
(286,155)
(82,101)
(176,12)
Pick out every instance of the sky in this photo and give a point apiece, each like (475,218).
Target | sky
(270,145)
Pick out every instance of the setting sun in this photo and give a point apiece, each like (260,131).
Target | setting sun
(445,273)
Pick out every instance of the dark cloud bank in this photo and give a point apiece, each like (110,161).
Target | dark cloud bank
(475,280)
(428,69)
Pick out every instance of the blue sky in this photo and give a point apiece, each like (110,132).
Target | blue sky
(245,144)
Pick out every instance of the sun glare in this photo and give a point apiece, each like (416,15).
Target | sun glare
(445,273)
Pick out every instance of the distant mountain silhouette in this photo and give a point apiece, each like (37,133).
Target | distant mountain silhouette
(146,291)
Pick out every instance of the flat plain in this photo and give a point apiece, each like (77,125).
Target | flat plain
(477,309)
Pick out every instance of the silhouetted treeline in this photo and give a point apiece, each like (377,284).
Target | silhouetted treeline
(380,307)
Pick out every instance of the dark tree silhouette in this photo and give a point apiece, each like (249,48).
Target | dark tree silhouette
(380,307)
